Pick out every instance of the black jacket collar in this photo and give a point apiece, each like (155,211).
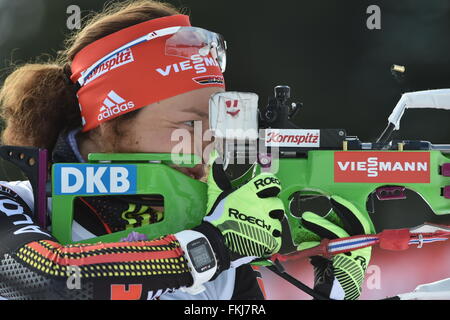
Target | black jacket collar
(66,148)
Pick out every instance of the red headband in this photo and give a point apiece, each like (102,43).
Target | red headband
(138,76)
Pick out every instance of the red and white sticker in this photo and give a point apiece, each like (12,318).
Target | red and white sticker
(292,138)
(384,167)
(122,58)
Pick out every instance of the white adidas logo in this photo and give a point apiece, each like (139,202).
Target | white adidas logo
(113,105)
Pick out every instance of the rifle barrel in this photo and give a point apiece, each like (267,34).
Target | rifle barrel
(444,148)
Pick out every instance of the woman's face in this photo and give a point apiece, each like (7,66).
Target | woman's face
(176,125)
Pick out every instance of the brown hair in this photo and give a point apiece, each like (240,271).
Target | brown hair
(38,101)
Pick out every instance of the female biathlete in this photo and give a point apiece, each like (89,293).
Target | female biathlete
(125,82)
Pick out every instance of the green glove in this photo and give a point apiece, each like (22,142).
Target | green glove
(343,275)
(249,217)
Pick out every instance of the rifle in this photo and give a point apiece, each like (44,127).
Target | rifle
(308,162)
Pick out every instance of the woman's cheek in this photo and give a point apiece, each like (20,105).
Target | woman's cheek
(208,139)
(150,142)
(178,141)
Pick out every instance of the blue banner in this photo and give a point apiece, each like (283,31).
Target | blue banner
(85,179)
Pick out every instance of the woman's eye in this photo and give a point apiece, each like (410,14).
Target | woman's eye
(189,123)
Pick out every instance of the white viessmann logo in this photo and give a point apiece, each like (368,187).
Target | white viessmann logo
(113,105)
(381,167)
(197,62)
(292,138)
(373,166)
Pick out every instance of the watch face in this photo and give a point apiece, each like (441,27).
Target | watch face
(201,255)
